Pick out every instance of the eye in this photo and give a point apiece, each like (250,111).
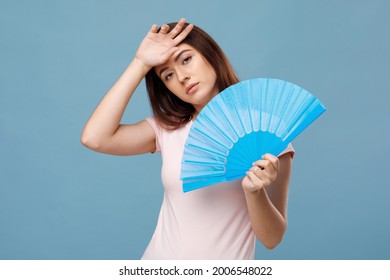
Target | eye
(187,59)
(168,76)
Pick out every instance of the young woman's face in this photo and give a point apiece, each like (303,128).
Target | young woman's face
(189,76)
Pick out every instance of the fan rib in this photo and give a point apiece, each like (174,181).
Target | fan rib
(284,107)
(197,184)
(295,117)
(205,175)
(300,126)
(217,106)
(203,163)
(288,114)
(238,114)
(261,103)
(207,150)
(208,137)
(248,107)
(219,129)
(272,94)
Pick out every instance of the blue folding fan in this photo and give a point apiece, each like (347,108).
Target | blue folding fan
(241,124)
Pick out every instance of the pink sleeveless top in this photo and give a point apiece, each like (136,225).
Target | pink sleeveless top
(208,223)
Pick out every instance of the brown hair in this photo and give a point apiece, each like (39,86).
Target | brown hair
(170,110)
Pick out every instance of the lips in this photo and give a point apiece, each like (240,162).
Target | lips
(191,88)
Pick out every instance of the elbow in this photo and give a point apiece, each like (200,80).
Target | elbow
(271,241)
(272,245)
(89,142)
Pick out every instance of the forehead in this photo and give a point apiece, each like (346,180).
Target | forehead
(171,60)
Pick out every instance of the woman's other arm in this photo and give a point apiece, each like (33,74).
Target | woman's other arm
(266,193)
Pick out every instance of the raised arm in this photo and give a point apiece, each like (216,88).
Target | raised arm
(103,131)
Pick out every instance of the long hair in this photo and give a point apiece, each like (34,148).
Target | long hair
(170,110)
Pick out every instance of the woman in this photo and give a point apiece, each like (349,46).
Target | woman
(184,70)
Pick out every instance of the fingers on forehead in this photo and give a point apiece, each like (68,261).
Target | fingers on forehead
(183,34)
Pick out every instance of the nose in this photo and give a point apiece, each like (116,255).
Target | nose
(182,76)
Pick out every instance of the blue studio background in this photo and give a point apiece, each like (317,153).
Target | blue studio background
(59,200)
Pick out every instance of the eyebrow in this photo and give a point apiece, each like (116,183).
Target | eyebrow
(176,59)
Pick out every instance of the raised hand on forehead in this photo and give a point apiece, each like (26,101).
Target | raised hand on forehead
(159,45)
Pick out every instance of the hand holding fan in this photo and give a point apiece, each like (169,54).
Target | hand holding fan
(241,124)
